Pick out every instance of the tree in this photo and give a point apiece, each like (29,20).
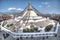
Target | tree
(48,28)
(8,25)
(32,26)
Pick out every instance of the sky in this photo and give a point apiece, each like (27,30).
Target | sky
(43,6)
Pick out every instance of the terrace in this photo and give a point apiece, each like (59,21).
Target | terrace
(48,30)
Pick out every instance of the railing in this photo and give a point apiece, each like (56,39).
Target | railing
(34,34)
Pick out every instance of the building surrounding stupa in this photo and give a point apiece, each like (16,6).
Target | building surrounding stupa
(29,25)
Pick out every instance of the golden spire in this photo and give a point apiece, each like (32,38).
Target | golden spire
(29,6)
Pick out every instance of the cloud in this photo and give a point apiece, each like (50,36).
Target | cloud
(45,3)
(40,5)
(15,9)
(20,9)
(11,9)
(48,6)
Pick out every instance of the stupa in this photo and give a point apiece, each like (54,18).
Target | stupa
(30,24)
